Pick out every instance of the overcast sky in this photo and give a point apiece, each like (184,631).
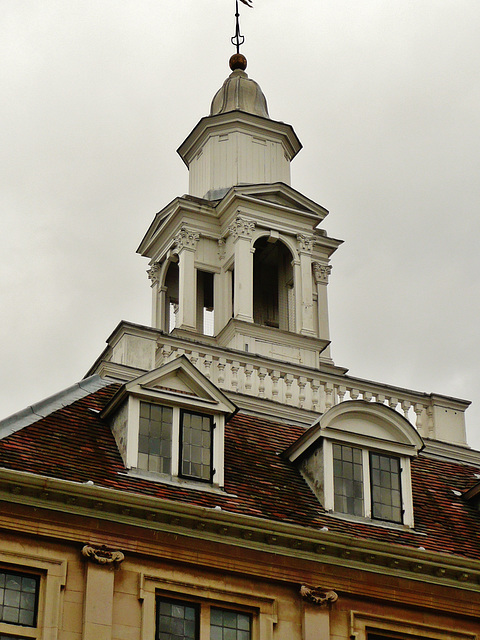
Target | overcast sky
(385,96)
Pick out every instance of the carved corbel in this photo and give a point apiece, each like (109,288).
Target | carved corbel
(103,555)
(321,272)
(318,596)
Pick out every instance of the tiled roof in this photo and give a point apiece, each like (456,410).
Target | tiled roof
(73,443)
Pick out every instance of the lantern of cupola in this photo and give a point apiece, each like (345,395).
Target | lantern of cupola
(242,260)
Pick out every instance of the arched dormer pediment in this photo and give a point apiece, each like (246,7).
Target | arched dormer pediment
(356,459)
(372,421)
(362,423)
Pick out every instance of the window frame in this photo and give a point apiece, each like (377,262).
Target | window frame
(51,575)
(262,608)
(180,474)
(405,484)
(22,574)
(203,608)
(365,625)
(217,428)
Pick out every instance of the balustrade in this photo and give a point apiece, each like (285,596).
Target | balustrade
(316,392)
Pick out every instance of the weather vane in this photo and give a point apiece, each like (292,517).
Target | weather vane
(238,39)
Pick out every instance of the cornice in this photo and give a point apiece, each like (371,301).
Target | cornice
(323,546)
(238,120)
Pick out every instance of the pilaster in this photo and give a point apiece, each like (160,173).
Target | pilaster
(316,612)
(242,232)
(305,247)
(185,246)
(321,274)
(99,587)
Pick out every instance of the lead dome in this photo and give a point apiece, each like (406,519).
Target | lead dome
(240,93)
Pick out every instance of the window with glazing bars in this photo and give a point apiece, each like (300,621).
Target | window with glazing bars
(177,620)
(385,487)
(229,625)
(348,480)
(155,438)
(196,446)
(18,598)
(381,497)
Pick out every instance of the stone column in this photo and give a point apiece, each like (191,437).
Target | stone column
(186,244)
(322,272)
(99,584)
(242,231)
(305,290)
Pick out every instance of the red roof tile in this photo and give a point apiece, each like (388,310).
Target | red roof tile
(74,444)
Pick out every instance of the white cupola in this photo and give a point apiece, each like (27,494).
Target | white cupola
(241,261)
(238,143)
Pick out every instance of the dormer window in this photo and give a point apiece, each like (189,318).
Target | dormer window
(160,427)
(170,424)
(196,440)
(366,483)
(155,438)
(356,459)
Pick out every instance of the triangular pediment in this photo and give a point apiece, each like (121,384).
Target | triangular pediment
(177,383)
(278,194)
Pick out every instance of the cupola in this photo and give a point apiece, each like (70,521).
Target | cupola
(238,143)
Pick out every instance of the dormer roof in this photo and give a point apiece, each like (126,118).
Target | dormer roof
(177,383)
(362,423)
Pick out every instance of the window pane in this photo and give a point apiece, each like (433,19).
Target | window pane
(155,438)
(348,480)
(386,488)
(229,625)
(176,620)
(196,451)
(18,598)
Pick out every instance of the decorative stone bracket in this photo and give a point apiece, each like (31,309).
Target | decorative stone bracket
(318,596)
(103,555)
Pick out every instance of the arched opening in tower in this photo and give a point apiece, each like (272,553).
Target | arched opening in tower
(171,296)
(273,285)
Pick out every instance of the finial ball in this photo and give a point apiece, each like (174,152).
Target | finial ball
(238,61)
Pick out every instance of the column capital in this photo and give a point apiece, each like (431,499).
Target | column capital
(186,239)
(221,248)
(154,273)
(305,242)
(321,272)
(241,228)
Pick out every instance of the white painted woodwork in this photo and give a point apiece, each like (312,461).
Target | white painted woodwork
(237,157)
(243,279)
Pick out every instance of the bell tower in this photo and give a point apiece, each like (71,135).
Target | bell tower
(242,261)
